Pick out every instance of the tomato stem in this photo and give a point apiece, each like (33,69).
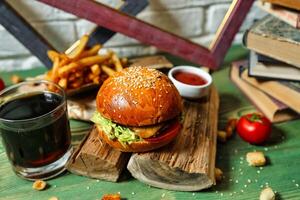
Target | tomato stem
(255,118)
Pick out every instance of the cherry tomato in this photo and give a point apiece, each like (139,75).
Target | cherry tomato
(170,132)
(2,85)
(254,128)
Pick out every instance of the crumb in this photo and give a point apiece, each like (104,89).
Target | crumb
(39,185)
(256,159)
(230,127)
(15,79)
(267,194)
(218,174)
(53,198)
(221,135)
(111,197)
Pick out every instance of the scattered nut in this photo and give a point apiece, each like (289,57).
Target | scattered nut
(256,159)
(15,79)
(221,135)
(230,127)
(218,174)
(267,194)
(53,198)
(39,185)
(111,197)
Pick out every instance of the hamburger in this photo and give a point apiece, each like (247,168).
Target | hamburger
(138,110)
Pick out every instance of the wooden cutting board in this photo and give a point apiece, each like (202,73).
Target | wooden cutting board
(187,164)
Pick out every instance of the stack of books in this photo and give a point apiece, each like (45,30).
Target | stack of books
(271,76)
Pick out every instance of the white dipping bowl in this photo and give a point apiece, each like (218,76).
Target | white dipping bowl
(190,91)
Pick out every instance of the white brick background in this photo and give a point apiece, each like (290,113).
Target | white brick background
(197,20)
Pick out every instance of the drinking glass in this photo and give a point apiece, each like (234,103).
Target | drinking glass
(35,129)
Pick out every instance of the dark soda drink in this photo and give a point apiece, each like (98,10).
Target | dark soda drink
(38,142)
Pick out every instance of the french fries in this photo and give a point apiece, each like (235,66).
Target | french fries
(80,65)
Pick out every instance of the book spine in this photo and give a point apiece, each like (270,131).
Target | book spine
(298,22)
(245,38)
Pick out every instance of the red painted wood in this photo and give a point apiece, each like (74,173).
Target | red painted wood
(132,27)
(149,34)
(230,28)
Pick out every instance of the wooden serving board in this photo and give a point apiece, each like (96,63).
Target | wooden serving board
(96,159)
(187,164)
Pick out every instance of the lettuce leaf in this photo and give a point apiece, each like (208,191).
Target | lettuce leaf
(115,131)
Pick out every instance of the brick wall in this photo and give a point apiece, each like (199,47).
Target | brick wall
(197,20)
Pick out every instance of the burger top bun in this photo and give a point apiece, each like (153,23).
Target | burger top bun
(138,96)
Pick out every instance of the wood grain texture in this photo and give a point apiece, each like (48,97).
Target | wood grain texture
(96,159)
(188,163)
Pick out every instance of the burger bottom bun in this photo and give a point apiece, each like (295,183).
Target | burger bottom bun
(141,146)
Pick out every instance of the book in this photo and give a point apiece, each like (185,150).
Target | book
(293,4)
(273,109)
(286,92)
(261,66)
(274,38)
(290,16)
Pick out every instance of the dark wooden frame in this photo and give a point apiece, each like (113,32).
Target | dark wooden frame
(38,45)
(130,26)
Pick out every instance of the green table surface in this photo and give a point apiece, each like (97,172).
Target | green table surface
(240,180)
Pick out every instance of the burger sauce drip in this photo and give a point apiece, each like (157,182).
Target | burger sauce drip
(189,78)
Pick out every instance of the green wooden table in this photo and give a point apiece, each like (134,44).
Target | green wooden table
(240,182)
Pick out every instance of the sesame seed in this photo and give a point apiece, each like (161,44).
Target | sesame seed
(132,193)
(242,191)
(293,181)
(163,195)
(249,181)
(245,186)
(193,194)
(87,187)
(297,185)
(258,171)
(236,181)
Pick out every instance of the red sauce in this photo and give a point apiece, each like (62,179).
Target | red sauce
(189,78)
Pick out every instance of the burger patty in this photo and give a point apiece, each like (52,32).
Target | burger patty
(152,130)
(147,131)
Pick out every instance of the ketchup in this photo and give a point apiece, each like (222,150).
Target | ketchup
(189,78)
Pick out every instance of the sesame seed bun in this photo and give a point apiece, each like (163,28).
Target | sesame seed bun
(138,96)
